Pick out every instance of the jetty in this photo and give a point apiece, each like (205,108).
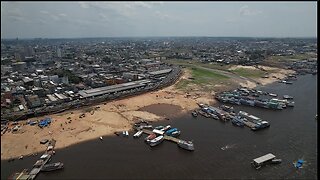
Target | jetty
(166,137)
(46,157)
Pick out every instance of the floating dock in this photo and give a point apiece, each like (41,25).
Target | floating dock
(36,169)
(166,137)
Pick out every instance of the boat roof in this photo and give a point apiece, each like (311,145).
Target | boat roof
(158,131)
(264,158)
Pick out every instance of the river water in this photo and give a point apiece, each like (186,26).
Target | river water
(292,135)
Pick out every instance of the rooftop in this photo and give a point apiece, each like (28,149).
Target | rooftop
(113,88)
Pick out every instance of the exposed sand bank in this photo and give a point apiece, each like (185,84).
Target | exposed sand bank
(114,116)
(274,74)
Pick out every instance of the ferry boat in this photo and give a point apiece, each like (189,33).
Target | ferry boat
(156,141)
(260,161)
(52,167)
(188,145)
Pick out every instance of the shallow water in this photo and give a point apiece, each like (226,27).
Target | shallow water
(292,135)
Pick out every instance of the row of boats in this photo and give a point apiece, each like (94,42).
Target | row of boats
(225,113)
(249,97)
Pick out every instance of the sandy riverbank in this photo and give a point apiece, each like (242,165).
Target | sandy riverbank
(112,116)
(274,74)
(67,128)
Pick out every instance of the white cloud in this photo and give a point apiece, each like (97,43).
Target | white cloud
(246,11)
(143,4)
(62,14)
(84,5)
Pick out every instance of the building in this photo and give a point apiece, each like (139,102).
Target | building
(160,73)
(113,89)
(33,101)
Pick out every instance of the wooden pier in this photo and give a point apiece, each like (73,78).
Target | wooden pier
(166,137)
(35,170)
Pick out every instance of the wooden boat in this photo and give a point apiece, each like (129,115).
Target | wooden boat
(156,141)
(150,137)
(52,167)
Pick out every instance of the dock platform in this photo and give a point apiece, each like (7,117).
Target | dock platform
(166,137)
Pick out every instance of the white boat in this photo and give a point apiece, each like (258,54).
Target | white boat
(137,134)
(156,141)
(273,94)
(100,137)
(165,128)
(188,145)
(125,133)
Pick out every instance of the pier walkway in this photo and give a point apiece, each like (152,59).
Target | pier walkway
(166,137)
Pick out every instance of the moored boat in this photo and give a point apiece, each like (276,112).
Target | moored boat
(273,94)
(156,141)
(172,132)
(188,145)
(52,167)
(150,137)
(137,134)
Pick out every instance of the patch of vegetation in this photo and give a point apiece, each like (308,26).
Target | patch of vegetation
(183,84)
(199,73)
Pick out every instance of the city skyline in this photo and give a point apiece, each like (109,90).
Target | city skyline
(157,19)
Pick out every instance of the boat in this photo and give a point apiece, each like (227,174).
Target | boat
(273,94)
(172,131)
(299,163)
(150,137)
(125,133)
(260,161)
(276,161)
(52,167)
(290,104)
(287,97)
(165,128)
(159,127)
(175,133)
(289,82)
(227,108)
(194,114)
(137,134)
(188,145)
(237,121)
(156,141)
(101,138)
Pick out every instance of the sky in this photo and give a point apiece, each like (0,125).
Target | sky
(144,18)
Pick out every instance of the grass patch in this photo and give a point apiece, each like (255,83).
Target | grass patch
(199,73)
(183,84)
(245,72)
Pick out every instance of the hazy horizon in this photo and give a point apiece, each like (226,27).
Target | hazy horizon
(69,20)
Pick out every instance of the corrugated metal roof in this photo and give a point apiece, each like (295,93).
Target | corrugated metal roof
(264,158)
(160,72)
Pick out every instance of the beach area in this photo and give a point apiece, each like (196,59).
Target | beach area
(106,118)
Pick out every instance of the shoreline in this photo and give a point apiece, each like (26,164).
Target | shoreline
(117,115)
